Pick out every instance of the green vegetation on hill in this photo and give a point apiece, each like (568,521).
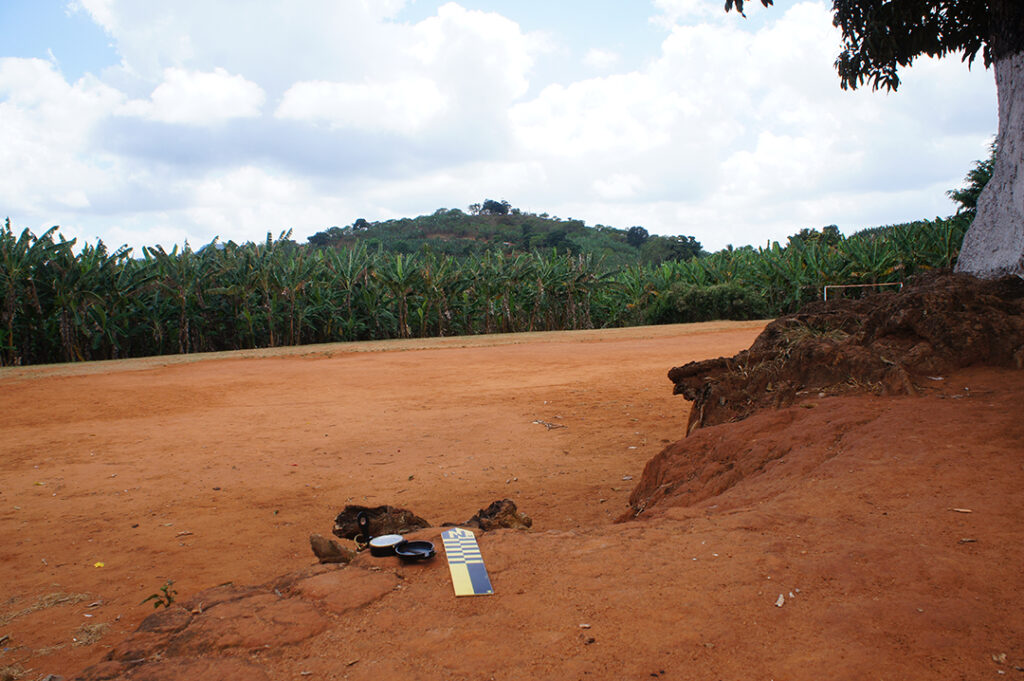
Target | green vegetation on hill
(496,226)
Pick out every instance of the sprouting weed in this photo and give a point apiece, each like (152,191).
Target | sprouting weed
(165,598)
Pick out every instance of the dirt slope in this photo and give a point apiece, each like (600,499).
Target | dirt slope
(842,501)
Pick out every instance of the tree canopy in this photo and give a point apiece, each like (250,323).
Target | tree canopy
(880,36)
(636,236)
(976,180)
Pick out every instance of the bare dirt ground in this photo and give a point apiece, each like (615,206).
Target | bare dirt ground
(880,538)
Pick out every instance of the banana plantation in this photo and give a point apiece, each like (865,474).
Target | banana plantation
(63,302)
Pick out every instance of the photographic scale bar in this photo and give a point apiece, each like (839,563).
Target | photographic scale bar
(469,576)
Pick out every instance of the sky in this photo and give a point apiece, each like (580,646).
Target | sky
(145,122)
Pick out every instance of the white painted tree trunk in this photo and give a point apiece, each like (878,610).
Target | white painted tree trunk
(994,244)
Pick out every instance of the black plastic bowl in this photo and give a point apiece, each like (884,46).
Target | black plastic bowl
(415,550)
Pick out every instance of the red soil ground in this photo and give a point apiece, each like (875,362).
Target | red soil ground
(208,470)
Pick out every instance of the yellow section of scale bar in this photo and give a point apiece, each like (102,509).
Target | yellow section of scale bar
(461,581)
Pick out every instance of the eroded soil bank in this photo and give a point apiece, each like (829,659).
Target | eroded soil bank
(892,343)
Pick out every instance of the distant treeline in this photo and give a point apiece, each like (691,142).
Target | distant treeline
(61,303)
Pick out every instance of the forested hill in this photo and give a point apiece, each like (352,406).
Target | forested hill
(495,225)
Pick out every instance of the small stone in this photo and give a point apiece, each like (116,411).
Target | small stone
(627,477)
(782,601)
(330,551)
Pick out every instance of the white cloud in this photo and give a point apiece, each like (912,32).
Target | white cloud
(46,123)
(687,11)
(249,200)
(403,106)
(313,113)
(618,186)
(198,98)
(102,11)
(272,42)
(453,187)
(621,113)
(482,58)
(737,136)
(599,58)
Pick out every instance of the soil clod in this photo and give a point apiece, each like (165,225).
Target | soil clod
(383,520)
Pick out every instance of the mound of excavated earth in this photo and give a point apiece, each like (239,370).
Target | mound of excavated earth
(889,343)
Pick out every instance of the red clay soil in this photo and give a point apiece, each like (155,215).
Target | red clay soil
(891,528)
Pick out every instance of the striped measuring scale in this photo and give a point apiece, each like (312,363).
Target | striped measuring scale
(469,576)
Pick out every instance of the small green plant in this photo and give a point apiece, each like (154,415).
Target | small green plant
(164,598)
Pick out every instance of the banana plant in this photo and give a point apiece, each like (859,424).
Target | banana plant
(400,277)
(20,261)
(869,260)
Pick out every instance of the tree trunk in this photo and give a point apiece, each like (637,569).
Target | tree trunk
(994,245)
